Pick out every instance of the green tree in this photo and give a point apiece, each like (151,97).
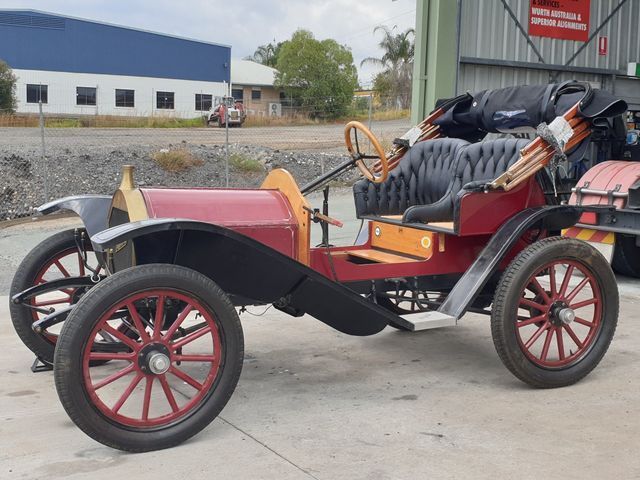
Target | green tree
(393,84)
(7,89)
(318,75)
(266,54)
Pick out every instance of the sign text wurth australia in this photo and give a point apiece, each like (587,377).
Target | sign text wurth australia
(565,19)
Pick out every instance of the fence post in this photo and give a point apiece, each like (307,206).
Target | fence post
(226,141)
(43,153)
(369,122)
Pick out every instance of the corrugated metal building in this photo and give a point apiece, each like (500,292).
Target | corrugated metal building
(497,48)
(78,66)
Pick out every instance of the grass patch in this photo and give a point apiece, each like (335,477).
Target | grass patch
(380,115)
(18,121)
(114,121)
(176,161)
(101,121)
(244,163)
(117,121)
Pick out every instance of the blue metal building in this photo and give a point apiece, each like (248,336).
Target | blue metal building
(53,50)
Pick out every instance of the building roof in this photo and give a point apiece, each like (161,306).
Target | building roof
(28,11)
(34,40)
(247,72)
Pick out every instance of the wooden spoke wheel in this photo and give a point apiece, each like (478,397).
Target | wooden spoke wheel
(54,258)
(555,312)
(364,162)
(169,381)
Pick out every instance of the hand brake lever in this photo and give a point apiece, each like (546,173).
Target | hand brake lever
(317,217)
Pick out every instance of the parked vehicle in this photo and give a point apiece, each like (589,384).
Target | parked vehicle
(152,346)
(227,106)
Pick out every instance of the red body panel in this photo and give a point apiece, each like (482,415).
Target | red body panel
(607,176)
(480,216)
(264,215)
(459,255)
(483,213)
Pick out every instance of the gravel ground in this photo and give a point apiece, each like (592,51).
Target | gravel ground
(72,170)
(89,160)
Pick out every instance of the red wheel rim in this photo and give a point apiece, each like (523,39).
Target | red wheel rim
(559,314)
(127,390)
(66,263)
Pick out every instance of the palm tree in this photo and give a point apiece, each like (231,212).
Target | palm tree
(397,62)
(266,54)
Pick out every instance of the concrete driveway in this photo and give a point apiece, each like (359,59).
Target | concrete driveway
(314,403)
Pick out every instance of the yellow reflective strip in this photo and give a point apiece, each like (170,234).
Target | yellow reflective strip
(570,232)
(609,239)
(585,234)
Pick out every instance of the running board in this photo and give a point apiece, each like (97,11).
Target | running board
(426,320)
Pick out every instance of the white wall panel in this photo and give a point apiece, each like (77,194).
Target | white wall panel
(62,93)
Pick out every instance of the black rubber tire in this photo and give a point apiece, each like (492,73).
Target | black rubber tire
(22,316)
(506,301)
(68,372)
(626,256)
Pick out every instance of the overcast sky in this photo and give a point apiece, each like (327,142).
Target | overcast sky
(244,24)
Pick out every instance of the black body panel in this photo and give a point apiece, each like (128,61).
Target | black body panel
(250,272)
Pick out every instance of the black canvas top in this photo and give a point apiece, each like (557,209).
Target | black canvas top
(522,108)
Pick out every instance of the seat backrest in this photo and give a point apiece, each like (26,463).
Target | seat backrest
(423,176)
(486,160)
(482,161)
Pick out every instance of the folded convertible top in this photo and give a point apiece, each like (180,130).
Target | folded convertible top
(522,108)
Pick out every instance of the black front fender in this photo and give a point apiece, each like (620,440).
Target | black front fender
(550,218)
(93,210)
(247,270)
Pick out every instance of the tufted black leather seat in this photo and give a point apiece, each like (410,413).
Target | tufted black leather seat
(422,177)
(465,163)
(478,163)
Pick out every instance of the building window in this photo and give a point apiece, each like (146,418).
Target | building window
(125,98)
(283,95)
(37,93)
(237,94)
(256,94)
(203,102)
(85,95)
(164,100)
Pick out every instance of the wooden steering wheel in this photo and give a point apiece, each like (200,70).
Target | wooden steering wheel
(359,158)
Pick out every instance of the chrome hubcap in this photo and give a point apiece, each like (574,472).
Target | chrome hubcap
(566,315)
(159,363)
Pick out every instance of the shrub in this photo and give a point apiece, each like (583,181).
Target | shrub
(244,163)
(177,160)
(7,89)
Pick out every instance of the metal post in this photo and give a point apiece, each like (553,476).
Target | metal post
(226,141)
(369,123)
(435,64)
(43,153)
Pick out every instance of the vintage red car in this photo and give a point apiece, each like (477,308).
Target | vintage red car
(151,347)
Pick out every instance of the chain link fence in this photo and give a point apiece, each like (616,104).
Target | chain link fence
(45,155)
